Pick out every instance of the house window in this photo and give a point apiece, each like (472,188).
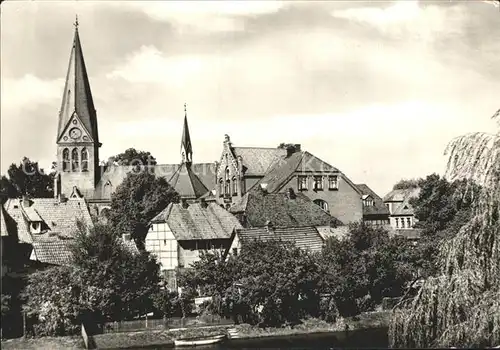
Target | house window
(397,222)
(409,222)
(85,160)
(235,251)
(235,186)
(322,204)
(74,160)
(302,183)
(333,183)
(221,187)
(402,222)
(318,183)
(368,202)
(66,161)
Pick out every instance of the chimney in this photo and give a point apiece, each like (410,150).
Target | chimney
(184,203)
(269,226)
(126,237)
(203,203)
(290,149)
(62,198)
(25,201)
(291,193)
(297,147)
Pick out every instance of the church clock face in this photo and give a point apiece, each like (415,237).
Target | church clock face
(75,133)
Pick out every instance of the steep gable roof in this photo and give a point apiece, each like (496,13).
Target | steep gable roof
(257,160)
(285,167)
(282,209)
(51,251)
(116,174)
(3,224)
(197,222)
(186,183)
(307,238)
(378,207)
(56,216)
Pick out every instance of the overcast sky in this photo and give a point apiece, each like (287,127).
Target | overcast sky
(376,89)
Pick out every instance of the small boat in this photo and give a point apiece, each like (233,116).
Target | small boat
(200,341)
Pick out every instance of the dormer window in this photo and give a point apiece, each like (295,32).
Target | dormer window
(36,227)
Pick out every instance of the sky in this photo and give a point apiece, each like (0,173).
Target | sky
(377,89)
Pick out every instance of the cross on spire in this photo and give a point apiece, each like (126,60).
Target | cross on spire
(76,22)
(185,109)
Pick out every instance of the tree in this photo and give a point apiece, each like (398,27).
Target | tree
(137,200)
(27,178)
(461,306)
(406,184)
(128,279)
(365,267)
(280,278)
(442,208)
(133,157)
(104,282)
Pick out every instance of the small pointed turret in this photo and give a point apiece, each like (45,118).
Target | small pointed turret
(77,96)
(186,147)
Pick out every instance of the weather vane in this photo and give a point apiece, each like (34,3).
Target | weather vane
(185,109)
(76,22)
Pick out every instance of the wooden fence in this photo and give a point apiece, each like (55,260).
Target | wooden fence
(160,324)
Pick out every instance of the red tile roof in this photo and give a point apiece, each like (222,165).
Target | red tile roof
(257,160)
(186,183)
(283,209)
(285,167)
(307,238)
(378,208)
(197,222)
(56,216)
(53,251)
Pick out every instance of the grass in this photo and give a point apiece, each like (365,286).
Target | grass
(45,343)
(123,340)
(314,325)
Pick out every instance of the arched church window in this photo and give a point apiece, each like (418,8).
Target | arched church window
(221,186)
(85,160)
(322,204)
(65,162)
(235,186)
(75,165)
(227,187)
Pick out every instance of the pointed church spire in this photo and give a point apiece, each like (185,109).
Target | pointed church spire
(186,147)
(77,96)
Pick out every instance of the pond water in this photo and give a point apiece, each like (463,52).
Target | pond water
(367,338)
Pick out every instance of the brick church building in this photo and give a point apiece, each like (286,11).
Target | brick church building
(239,171)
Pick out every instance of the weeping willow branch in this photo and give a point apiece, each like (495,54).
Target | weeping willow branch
(461,307)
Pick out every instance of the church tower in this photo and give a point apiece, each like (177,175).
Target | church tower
(78,144)
(186,146)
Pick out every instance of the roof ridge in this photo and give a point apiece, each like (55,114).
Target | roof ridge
(251,147)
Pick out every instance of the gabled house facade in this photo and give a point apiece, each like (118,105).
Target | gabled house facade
(246,169)
(402,215)
(183,231)
(375,212)
(42,228)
